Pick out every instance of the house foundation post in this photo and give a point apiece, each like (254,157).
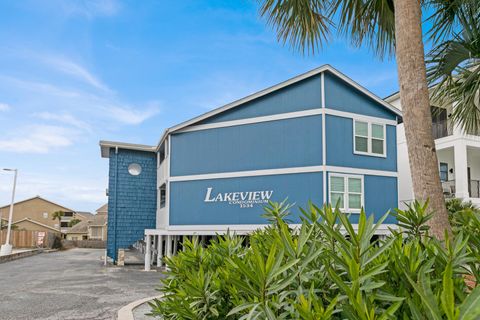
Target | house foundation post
(148,252)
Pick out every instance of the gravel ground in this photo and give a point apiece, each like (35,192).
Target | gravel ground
(71,284)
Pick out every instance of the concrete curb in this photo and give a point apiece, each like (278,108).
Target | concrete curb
(19,255)
(126,312)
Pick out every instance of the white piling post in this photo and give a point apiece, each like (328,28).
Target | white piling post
(169,246)
(148,252)
(175,241)
(159,251)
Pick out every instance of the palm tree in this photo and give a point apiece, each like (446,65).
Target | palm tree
(387,27)
(454,70)
(58,215)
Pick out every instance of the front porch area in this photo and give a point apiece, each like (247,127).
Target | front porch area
(459,167)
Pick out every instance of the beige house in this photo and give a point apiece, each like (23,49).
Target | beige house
(36,214)
(93,228)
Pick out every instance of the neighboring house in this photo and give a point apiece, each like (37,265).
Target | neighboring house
(95,228)
(36,214)
(319,136)
(458,157)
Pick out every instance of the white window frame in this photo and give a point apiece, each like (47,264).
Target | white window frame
(345,177)
(369,138)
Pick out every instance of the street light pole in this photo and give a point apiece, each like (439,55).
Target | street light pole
(7,247)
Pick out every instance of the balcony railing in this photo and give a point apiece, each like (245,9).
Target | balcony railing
(440,129)
(473,188)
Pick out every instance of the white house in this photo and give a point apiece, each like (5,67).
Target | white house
(458,157)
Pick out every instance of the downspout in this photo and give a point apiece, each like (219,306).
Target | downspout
(115,207)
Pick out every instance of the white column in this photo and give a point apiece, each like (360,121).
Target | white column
(159,251)
(460,171)
(169,246)
(175,244)
(148,251)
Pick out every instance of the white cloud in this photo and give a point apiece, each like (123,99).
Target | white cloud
(64,118)
(84,194)
(4,107)
(75,70)
(129,115)
(37,139)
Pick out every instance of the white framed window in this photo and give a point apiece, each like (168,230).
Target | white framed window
(369,138)
(346,190)
(45,215)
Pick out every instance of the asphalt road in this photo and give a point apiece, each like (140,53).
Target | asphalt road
(70,284)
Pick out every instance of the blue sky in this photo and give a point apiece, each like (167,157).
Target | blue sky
(76,72)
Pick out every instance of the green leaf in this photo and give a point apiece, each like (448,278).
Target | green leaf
(470,308)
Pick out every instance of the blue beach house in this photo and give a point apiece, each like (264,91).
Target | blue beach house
(319,136)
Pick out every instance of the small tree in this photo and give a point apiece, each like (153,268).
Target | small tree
(58,215)
(73,222)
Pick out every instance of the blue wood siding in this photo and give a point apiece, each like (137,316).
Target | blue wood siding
(187,206)
(302,95)
(339,95)
(132,202)
(339,134)
(380,196)
(286,143)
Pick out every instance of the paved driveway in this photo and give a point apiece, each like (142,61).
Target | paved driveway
(70,284)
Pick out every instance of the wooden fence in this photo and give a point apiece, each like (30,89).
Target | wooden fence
(28,239)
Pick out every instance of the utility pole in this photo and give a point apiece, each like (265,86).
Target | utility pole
(7,247)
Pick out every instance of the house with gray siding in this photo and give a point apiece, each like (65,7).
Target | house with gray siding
(317,137)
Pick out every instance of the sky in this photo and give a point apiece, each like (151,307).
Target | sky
(76,72)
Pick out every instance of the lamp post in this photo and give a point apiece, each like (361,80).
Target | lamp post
(7,247)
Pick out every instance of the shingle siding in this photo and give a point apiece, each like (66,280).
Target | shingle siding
(132,200)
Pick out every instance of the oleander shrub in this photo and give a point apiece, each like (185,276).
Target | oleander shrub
(326,269)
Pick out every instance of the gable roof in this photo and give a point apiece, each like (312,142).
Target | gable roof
(106,145)
(97,220)
(36,222)
(103,208)
(278,86)
(38,197)
(81,227)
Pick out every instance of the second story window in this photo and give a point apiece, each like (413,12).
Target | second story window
(369,138)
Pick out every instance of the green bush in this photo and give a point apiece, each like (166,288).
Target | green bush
(327,270)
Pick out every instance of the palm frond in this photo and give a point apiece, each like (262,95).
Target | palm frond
(369,22)
(304,24)
(454,70)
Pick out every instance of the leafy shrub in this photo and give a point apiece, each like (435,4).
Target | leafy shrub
(327,270)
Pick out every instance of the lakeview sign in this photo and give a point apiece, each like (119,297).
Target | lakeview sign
(244,199)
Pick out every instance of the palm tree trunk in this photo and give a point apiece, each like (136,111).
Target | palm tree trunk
(417,117)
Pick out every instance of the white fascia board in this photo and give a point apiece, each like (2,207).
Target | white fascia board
(361,117)
(241,229)
(240,122)
(106,145)
(275,88)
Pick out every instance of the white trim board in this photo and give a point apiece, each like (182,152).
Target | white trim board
(359,117)
(279,116)
(240,229)
(293,170)
(288,115)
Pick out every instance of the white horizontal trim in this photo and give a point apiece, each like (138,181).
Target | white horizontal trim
(367,172)
(250,173)
(293,170)
(279,116)
(239,229)
(360,117)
